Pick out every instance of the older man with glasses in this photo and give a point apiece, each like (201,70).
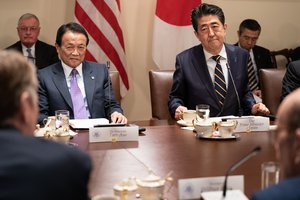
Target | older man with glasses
(38,52)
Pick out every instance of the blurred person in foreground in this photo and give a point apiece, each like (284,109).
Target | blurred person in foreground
(38,52)
(197,78)
(260,57)
(30,167)
(287,147)
(58,81)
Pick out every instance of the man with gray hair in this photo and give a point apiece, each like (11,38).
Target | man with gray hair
(38,52)
(30,167)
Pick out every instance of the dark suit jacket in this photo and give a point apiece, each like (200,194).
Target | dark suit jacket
(35,169)
(262,58)
(291,79)
(192,83)
(54,93)
(287,190)
(45,54)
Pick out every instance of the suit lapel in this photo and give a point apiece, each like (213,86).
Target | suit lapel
(89,82)
(232,62)
(200,65)
(61,84)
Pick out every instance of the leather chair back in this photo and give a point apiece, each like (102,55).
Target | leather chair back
(271,86)
(115,81)
(160,87)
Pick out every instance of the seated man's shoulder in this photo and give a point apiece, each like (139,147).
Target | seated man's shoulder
(286,189)
(16,46)
(41,44)
(262,49)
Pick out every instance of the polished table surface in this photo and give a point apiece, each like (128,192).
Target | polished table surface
(165,147)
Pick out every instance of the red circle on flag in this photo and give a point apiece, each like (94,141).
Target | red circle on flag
(176,12)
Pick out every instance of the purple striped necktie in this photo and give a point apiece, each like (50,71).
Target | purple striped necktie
(77,98)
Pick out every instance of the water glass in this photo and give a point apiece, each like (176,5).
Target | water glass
(269,174)
(62,120)
(202,112)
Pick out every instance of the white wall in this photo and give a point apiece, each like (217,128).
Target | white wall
(278,18)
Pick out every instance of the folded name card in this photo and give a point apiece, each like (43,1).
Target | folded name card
(114,134)
(193,187)
(252,123)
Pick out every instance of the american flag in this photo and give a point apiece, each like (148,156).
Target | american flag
(101,19)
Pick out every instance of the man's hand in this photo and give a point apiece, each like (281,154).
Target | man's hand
(179,112)
(117,117)
(260,108)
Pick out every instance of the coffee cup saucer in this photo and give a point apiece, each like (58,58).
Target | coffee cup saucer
(181,122)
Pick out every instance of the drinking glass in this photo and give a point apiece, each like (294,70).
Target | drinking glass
(202,112)
(269,174)
(62,120)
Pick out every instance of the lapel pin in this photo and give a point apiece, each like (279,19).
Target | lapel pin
(92,77)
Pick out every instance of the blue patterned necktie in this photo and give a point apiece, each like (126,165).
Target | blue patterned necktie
(220,85)
(77,98)
(30,56)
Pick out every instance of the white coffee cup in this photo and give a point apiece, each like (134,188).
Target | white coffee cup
(188,116)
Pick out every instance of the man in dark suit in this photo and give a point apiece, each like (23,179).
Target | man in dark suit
(30,167)
(291,79)
(287,142)
(248,34)
(56,87)
(195,81)
(41,53)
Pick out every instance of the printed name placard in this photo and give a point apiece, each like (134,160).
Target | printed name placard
(193,187)
(252,123)
(114,134)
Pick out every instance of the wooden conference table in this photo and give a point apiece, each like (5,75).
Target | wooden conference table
(165,147)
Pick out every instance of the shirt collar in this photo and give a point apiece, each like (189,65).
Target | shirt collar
(222,53)
(68,70)
(24,49)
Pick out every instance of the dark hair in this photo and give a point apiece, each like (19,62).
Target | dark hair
(206,9)
(73,27)
(250,24)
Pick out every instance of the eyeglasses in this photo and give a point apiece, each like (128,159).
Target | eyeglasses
(30,29)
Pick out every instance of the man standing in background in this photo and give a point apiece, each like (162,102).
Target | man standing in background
(248,34)
(38,52)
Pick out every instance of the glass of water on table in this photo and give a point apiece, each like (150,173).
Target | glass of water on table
(202,111)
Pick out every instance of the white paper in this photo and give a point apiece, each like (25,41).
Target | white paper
(87,123)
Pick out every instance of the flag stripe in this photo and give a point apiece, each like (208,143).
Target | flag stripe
(101,20)
(110,18)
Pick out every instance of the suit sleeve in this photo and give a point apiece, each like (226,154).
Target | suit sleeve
(177,94)
(43,99)
(291,79)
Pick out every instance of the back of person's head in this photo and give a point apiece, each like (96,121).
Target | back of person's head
(17,75)
(205,9)
(28,16)
(250,24)
(73,27)
(288,134)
